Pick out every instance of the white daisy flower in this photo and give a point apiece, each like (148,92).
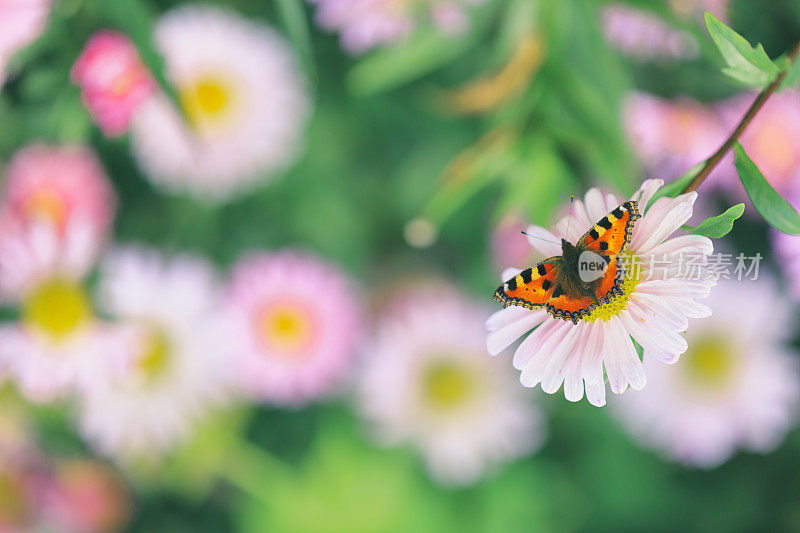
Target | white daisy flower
(738,385)
(653,309)
(242,94)
(57,339)
(172,372)
(428,382)
(57,209)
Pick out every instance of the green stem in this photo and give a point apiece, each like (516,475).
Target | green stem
(748,117)
(253,470)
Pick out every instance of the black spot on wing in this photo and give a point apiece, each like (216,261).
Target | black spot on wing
(511,285)
(546,284)
(604,223)
(541,270)
(593,234)
(558,291)
(603,246)
(617,212)
(527,275)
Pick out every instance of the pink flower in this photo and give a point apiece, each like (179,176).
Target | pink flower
(366,24)
(509,247)
(644,36)
(21,22)
(59,185)
(671,136)
(295,322)
(85,497)
(113,79)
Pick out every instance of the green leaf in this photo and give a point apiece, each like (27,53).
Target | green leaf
(746,64)
(639,349)
(718,226)
(674,188)
(135,18)
(776,211)
(294,20)
(427,50)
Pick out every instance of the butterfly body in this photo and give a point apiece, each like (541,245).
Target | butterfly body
(585,275)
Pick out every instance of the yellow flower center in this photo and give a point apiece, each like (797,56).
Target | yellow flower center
(155,355)
(57,308)
(207,100)
(709,361)
(617,303)
(448,385)
(46,205)
(286,328)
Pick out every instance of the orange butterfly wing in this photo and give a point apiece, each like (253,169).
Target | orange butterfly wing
(613,232)
(532,287)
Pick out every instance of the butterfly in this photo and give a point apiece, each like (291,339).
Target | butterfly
(584,276)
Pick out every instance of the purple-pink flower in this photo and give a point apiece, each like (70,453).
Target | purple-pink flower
(113,80)
(295,325)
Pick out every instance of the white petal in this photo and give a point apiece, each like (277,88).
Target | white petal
(592,364)
(543,241)
(573,384)
(553,374)
(500,339)
(509,273)
(553,342)
(687,244)
(646,191)
(596,393)
(664,218)
(528,348)
(596,205)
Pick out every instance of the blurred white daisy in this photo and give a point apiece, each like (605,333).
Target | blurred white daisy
(295,326)
(22,21)
(738,385)
(427,382)
(366,24)
(659,296)
(243,97)
(171,373)
(56,212)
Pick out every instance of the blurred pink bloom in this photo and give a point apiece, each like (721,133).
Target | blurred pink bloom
(653,309)
(427,382)
(772,140)
(737,386)
(21,22)
(509,247)
(113,79)
(56,211)
(85,497)
(671,136)
(695,8)
(644,36)
(296,324)
(366,24)
(58,185)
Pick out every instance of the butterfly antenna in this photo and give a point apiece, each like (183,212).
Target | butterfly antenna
(540,238)
(569,217)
